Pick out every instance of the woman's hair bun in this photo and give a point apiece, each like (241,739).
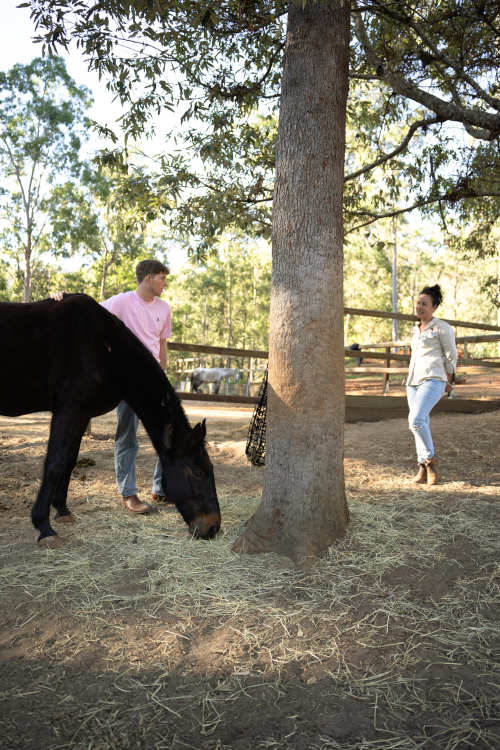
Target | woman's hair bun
(434,293)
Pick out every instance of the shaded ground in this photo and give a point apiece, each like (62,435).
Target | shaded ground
(134,636)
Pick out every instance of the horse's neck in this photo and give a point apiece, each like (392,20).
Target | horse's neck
(175,412)
(153,399)
(156,412)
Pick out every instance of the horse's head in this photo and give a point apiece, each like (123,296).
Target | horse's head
(188,479)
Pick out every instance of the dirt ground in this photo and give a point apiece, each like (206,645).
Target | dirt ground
(473,383)
(132,635)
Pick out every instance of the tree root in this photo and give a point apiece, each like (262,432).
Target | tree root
(250,542)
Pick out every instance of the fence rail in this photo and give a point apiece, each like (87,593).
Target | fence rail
(221,350)
(487,338)
(365,353)
(404,316)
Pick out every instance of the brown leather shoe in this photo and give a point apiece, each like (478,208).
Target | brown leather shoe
(134,505)
(421,475)
(432,475)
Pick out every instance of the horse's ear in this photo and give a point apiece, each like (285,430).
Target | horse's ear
(168,436)
(199,433)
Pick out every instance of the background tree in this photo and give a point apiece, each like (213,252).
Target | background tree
(41,125)
(103,219)
(4,292)
(241,269)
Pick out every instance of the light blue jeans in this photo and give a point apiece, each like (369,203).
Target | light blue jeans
(421,400)
(126,447)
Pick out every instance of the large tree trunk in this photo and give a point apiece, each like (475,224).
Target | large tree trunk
(303,509)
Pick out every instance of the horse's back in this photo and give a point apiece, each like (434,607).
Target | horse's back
(47,346)
(23,379)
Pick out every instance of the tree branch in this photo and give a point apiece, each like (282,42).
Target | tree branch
(402,146)
(440,56)
(451,196)
(238,91)
(486,124)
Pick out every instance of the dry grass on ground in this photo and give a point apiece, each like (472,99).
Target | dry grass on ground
(133,635)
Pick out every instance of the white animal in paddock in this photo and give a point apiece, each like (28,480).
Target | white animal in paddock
(212,375)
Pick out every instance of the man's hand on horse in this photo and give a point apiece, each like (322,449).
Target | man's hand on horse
(58,296)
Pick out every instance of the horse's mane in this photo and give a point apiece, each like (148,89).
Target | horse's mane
(130,351)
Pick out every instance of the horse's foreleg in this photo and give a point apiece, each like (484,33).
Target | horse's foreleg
(217,386)
(66,432)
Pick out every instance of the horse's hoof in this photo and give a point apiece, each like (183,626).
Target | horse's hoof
(50,542)
(67,518)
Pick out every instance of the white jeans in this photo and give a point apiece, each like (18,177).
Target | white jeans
(421,400)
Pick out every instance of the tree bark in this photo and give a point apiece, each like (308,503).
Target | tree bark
(104,280)
(108,261)
(27,269)
(303,509)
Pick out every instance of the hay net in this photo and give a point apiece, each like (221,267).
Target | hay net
(256,441)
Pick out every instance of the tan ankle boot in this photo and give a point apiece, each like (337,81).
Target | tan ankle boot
(421,475)
(432,475)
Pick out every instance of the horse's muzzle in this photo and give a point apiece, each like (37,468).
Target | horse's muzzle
(206,526)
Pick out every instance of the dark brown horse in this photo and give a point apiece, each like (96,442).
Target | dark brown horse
(77,360)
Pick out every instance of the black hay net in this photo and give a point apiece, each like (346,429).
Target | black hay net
(256,440)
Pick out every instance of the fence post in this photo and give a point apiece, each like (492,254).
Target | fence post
(250,376)
(386,374)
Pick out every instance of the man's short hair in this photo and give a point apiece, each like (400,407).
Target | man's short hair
(149,268)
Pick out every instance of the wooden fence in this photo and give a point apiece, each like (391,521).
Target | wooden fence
(404,316)
(388,356)
(368,352)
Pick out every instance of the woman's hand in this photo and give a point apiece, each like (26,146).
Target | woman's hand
(448,388)
(57,296)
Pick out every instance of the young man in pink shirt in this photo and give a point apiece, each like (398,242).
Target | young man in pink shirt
(149,318)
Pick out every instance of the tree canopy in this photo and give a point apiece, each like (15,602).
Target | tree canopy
(424,99)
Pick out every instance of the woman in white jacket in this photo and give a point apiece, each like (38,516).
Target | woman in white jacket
(432,366)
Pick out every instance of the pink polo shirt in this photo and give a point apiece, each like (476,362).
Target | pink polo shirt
(150,321)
